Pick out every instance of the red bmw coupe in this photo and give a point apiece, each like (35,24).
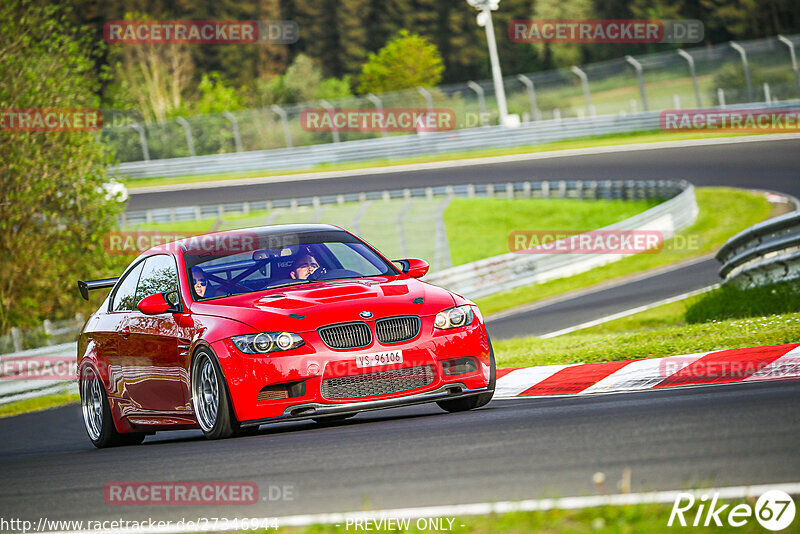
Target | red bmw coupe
(229,331)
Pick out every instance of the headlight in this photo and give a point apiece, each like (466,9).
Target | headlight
(267,342)
(454,317)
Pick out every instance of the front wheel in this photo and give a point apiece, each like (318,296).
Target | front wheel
(476,401)
(97,414)
(210,398)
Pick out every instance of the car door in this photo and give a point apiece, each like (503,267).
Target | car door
(111,337)
(155,347)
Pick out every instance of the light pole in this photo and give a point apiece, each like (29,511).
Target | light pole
(485,19)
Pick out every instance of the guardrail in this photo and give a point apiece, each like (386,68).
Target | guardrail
(48,365)
(511,270)
(765,253)
(306,157)
(577,189)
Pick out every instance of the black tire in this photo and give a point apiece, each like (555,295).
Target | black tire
(211,399)
(332,418)
(96,410)
(476,401)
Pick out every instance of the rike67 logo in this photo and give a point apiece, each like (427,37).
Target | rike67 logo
(774,510)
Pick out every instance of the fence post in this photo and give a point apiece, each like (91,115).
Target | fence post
(47,326)
(690,60)
(481,101)
(790,44)
(585,85)
(16,338)
(745,68)
(285,123)
(531,88)
(379,106)
(237,139)
(334,130)
(721,97)
(640,78)
(188,131)
(428,98)
(142,140)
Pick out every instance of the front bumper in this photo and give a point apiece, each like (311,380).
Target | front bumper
(314,410)
(314,362)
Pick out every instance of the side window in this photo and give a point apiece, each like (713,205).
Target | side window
(159,276)
(124,298)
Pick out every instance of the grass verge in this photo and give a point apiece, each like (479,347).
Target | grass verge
(728,302)
(723,213)
(38,404)
(590,142)
(478,228)
(655,333)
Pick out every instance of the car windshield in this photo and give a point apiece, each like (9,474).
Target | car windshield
(255,262)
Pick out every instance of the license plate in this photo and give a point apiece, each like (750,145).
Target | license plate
(380,358)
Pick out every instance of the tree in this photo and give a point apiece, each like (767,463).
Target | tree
(54,210)
(407,61)
(561,54)
(152,78)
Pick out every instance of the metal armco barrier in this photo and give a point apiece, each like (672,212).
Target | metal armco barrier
(306,157)
(765,253)
(512,270)
(15,389)
(577,189)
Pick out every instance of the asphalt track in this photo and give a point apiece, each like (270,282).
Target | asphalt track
(763,164)
(511,449)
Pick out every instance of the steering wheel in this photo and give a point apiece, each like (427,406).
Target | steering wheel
(316,274)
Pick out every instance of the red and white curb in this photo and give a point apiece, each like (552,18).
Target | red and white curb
(774,362)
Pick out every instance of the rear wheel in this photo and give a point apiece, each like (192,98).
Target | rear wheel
(476,401)
(97,414)
(210,398)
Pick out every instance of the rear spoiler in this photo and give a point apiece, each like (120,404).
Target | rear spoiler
(85,287)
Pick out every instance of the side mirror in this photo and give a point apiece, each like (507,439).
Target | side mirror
(159,303)
(413,267)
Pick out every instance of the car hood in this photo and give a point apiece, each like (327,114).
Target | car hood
(305,308)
